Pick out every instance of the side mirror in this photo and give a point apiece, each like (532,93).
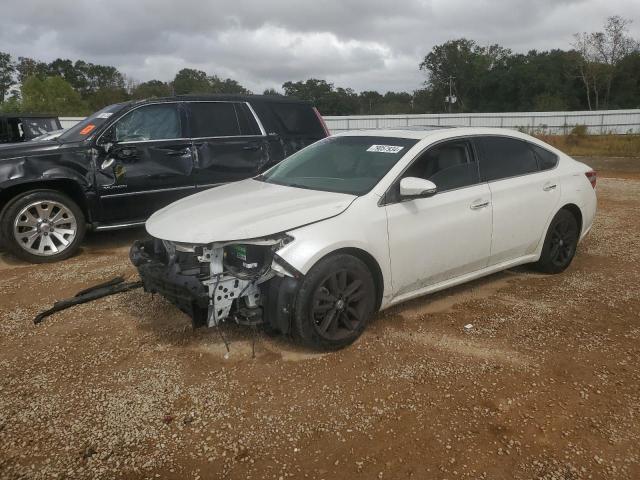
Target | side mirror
(413,187)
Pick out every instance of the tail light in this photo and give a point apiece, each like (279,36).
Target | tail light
(591,176)
(321,120)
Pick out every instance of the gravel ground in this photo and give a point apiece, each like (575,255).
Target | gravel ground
(546,385)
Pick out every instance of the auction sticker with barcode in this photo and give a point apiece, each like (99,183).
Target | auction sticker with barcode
(384,148)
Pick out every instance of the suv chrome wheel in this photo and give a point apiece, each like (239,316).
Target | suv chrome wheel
(45,228)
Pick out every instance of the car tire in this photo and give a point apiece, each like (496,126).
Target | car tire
(42,226)
(334,303)
(560,243)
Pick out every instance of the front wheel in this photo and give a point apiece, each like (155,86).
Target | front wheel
(42,226)
(560,243)
(334,303)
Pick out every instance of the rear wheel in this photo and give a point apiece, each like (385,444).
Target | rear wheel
(560,243)
(334,302)
(42,226)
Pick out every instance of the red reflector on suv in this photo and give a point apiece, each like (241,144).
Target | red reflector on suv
(592,177)
(324,124)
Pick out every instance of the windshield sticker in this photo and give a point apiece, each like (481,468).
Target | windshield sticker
(384,148)
(88,129)
(104,115)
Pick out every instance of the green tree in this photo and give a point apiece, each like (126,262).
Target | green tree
(51,95)
(7,69)
(189,80)
(151,89)
(28,67)
(273,92)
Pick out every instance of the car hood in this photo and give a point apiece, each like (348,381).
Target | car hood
(243,210)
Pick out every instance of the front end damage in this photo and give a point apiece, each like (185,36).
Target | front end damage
(246,282)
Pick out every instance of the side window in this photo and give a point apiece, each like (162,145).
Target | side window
(151,122)
(450,165)
(248,124)
(505,157)
(297,118)
(214,119)
(546,159)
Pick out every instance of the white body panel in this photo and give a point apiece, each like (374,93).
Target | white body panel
(420,245)
(437,238)
(243,210)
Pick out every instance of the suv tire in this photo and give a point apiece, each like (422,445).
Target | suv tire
(42,226)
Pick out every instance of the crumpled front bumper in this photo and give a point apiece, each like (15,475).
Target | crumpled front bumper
(184,287)
(161,275)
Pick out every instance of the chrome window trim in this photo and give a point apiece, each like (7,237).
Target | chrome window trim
(263,132)
(140,192)
(119,225)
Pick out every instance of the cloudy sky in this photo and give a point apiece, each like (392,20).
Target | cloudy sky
(362,44)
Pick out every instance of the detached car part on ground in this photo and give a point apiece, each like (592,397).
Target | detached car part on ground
(121,164)
(365,220)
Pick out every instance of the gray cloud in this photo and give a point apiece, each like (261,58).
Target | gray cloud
(363,44)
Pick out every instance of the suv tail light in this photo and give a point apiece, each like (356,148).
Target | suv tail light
(592,177)
(324,124)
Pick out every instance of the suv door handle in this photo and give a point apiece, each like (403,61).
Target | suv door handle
(252,146)
(179,153)
(548,187)
(478,204)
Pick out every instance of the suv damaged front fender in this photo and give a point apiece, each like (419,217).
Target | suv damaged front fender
(245,281)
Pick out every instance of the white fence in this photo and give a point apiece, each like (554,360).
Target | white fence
(558,123)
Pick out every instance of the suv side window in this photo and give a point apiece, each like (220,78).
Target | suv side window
(160,121)
(247,121)
(297,118)
(505,157)
(214,119)
(449,165)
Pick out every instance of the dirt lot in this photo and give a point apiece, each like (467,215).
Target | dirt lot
(546,385)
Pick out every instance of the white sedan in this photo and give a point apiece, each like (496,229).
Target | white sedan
(364,220)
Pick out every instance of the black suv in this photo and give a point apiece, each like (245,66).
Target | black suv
(118,166)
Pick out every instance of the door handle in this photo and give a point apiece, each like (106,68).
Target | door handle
(107,163)
(548,188)
(478,205)
(253,146)
(179,153)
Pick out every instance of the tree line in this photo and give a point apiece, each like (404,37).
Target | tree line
(600,71)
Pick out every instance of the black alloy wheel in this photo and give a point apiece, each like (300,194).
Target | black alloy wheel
(335,302)
(560,243)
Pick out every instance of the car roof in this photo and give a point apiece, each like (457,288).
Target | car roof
(435,131)
(225,97)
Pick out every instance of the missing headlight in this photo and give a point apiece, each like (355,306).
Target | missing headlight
(247,261)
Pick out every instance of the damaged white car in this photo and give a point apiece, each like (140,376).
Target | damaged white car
(364,220)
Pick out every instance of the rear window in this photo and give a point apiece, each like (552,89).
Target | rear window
(505,157)
(297,118)
(34,127)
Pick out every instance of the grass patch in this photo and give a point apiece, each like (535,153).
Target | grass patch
(595,145)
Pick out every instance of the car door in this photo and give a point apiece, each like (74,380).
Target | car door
(524,194)
(228,142)
(147,164)
(444,236)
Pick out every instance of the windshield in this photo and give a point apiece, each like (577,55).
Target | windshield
(352,165)
(89,125)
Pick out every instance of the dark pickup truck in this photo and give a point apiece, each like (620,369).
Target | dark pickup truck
(22,127)
(118,166)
